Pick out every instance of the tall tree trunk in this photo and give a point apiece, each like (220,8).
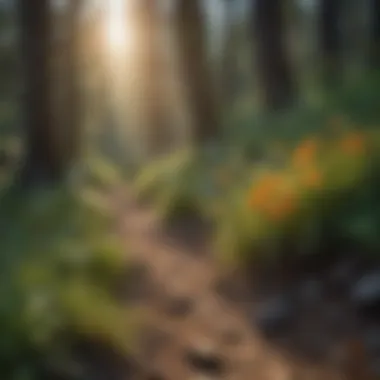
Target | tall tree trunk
(43,159)
(150,74)
(273,63)
(330,39)
(375,34)
(229,65)
(194,70)
(73,101)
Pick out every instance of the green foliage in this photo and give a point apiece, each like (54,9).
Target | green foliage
(192,182)
(59,263)
(324,186)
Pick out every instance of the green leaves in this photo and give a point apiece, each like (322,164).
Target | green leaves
(58,263)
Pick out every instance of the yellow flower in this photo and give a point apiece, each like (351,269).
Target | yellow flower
(305,154)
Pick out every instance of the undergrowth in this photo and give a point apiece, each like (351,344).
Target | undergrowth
(293,176)
(60,261)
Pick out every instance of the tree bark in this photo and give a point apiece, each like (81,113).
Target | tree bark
(229,66)
(330,39)
(73,102)
(43,159)
(194,70)
(375,34)
(273,63)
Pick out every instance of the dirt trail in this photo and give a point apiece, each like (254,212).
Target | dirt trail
(185,313)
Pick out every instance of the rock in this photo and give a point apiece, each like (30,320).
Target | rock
(205,361)
(366,291)
(310,291)
(179,306)
(375,368)
(343,271)
(275,315)
(371,339)
(230,290)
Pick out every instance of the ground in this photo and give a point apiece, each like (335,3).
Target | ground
(203,326)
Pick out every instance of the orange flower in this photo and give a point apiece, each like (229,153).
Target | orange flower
(353,144)
(305,153)
(282,208)
(264,191)
(312,178)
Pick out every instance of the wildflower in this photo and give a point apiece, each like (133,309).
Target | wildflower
(263,192)
(353,144)
(312,178)
(283,207)
(305,153)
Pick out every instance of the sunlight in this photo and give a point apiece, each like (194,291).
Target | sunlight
(117,33)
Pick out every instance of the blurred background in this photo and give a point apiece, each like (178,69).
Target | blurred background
(249,131)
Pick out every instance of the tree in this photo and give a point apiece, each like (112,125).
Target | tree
(229,69)
(73,100)
(43,161)
(149,75)
(194,71)
(375,34)
(275,75)
(330,41)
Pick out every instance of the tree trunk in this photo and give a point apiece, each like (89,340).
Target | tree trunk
(73,100)
(229,65)
(375,34)
(43,159)
(194,70)
(273,64)
(149,72)
(330,39)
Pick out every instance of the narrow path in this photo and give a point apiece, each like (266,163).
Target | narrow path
(185,313)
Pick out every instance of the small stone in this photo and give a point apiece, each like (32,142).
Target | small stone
(375,367)
(366,291)
(205,361)
(310,291)
(179,306)
(230,290)
(372,339)
(343,271)
(275,315)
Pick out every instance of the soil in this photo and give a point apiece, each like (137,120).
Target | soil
(199,324)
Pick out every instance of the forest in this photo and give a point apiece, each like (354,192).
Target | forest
(189,189)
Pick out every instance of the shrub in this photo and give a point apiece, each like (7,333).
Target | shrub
(59,261)
(319,183)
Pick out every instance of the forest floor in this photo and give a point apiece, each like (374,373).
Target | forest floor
(199,325)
